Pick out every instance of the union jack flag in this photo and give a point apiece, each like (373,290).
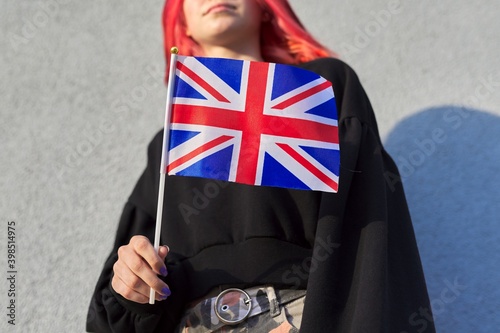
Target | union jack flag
(253,123)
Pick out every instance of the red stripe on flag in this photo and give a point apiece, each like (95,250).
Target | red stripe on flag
(200,150)
(196,78)
(309,166)
(253,124)
(297,98)
(271,125)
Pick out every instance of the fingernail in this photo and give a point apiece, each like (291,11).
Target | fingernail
(163,271)
(166,292)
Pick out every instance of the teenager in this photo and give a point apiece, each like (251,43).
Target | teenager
(260,259)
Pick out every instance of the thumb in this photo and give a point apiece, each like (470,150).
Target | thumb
(163,251)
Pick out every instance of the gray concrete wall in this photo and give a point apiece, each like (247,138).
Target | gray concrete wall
(82,94)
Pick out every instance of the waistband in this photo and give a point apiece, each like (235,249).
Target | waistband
(232,306)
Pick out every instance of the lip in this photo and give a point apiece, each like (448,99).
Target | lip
(222,6)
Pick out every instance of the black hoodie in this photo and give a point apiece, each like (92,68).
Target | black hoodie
(354,251)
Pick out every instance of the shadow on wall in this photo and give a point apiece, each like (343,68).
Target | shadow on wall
(449,160)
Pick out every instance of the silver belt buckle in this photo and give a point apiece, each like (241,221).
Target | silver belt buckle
(233,306)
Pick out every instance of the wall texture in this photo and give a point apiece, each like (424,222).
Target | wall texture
(82,94)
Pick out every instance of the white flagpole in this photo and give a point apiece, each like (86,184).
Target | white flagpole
(164,154)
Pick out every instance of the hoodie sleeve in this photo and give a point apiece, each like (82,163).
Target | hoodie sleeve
(109,311)
(367,275)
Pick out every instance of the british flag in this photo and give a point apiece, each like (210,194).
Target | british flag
(253,123)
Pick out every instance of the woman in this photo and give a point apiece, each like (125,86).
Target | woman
(267,259)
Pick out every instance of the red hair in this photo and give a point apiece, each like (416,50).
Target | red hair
(283,38)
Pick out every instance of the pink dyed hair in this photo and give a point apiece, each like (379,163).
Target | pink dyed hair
(283,37)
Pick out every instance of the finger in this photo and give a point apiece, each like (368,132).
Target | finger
(137,274)
(121,288)
(138,284)
(145,249)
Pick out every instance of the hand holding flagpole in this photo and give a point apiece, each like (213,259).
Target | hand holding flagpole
(164,155)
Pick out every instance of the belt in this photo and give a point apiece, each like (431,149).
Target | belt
(232,306)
